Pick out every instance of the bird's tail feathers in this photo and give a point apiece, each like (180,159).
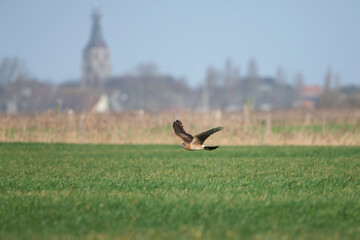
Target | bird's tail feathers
(209,148)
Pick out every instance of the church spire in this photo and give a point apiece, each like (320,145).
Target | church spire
(96,39)
(96,57)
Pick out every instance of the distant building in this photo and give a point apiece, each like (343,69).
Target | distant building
(96,57)
(310,96)
(102,105)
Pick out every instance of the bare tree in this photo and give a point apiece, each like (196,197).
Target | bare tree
(280,76)
(11,69)
(212,77)
(327,98)
(147,69)
(298,85)
(231,74)
(253,70)
(254,81)
(280,92)
(211,80)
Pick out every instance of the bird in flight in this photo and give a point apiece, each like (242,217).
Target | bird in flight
(194,142)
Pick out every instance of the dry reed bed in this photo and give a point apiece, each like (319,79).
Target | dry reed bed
(285,127)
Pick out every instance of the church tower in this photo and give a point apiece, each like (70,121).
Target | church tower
(96,57)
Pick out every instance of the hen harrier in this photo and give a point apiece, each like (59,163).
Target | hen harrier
(194,142)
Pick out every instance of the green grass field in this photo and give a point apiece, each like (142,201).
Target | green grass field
(64,191)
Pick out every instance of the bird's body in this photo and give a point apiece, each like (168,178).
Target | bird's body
(194,142)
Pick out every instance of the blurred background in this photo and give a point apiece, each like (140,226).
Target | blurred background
(240,59)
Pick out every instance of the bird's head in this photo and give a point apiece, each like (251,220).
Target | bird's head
(184,145)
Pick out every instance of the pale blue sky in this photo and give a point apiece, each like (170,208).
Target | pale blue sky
(184,37)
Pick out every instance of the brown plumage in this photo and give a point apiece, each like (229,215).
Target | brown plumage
(194,142)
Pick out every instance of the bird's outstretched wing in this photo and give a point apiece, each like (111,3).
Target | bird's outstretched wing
(179,131)
(210,148)
(201,137)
